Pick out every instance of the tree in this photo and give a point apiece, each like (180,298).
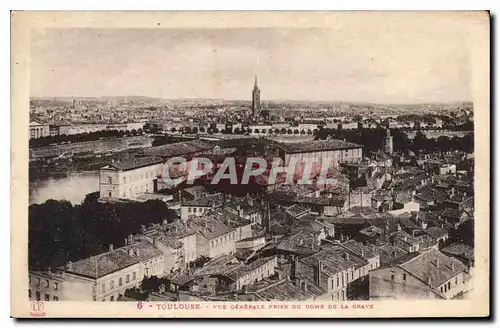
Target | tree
(195,130)
(187,130)
(237,131)
(256,131)
(289,131)
(283,130)
(202,129)
(173,129)
(296,131)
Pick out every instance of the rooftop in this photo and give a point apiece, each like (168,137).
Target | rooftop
(103,264)
(318,145)
(433,267)
(179,148)
(135,163)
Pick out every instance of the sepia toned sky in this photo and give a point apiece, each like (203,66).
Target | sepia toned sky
(359,63)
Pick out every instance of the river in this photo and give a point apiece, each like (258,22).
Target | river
(72,187)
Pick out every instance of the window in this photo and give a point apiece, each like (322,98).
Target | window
(103,288)
(124,179)
(352,275)
(47,283)
(29,279)
(441,289)
(111,298)
(337,281)
(189,209)
(110,181)
(120,281)
(449,285)
(37,282)
(456,280)
(111,284)
(46,297)
(404,276)
(37,294)
(56,286)
(133,275)
(55,298)
(29,293)
(127,279)
(392,277)
(194,209)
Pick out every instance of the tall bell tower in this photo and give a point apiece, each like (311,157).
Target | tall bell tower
(255,100)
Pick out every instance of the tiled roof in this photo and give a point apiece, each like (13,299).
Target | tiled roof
(318,145)
(179,148)
(136,162)
(433,267)
(460,250)
(334,260)
(243,270)
(389,253)
(144,251)
(103,264)
(283,290)
(364,251)
(209,228)
(436,232)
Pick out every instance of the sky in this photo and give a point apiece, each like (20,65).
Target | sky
(379,64)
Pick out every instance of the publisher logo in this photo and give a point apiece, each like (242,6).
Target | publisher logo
(37,309)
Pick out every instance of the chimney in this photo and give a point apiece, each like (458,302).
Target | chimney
(125,241)
(49,270)
(129,239)
(69,265)
(437,263)
(346,256)
(130,252)
(136,252)
(303,285)
(452,266)
(362,253)
(295,268)
(110,247)
(319,268)
(452,192)
(143,228)
(394,254)
(155,242)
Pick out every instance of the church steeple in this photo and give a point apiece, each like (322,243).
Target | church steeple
(255,100)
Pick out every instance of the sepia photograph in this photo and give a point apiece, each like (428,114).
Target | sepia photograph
(250,164)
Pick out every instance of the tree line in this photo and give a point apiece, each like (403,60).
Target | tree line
(60,232)
(372,140)
(82,137)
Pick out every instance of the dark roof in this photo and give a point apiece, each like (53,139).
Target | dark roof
(334,260)
(364,251)
(243,270)
(436,232)
(459,250)
(179,148)
(318,145)
(283,290)
(136,162)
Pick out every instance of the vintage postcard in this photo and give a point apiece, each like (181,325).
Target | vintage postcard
(250,164)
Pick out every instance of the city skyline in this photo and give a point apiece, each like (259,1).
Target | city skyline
(309,63)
